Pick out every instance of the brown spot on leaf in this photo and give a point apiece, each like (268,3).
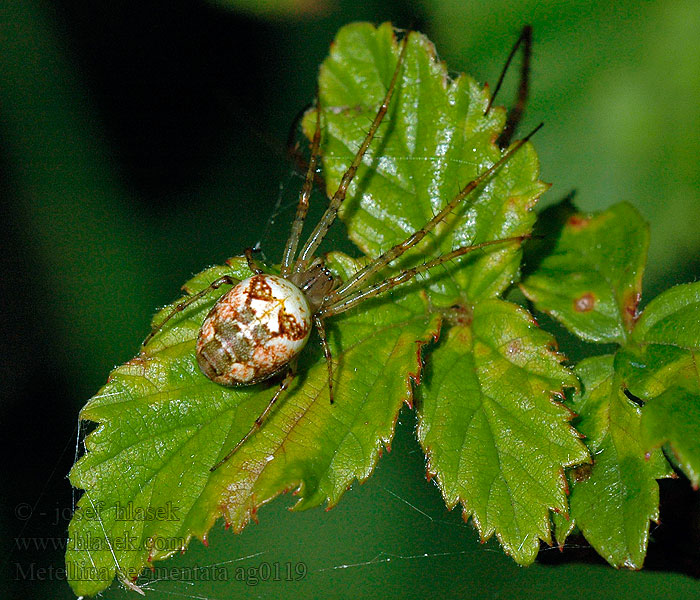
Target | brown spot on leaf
(578,221)
(630,302)
(584,303)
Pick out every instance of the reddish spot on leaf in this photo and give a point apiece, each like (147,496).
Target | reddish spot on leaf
(578,221)
(584,303)
(630,302)
(205,541)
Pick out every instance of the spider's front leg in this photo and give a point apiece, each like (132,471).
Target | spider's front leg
(224,280)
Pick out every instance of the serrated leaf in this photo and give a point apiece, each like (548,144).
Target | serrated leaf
(613,505)
(163,424)
(495,439)
(592,281)
(433,140)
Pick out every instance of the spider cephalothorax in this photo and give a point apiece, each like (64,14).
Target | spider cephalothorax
(259,327)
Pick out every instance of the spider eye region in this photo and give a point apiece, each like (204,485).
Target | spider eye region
(253,331)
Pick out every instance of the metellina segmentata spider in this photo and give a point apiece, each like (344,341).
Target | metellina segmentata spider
(257,329)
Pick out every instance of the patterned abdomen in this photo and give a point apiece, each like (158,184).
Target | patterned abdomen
(253,331)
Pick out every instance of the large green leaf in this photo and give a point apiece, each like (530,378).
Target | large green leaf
(495,438)
(612,505)
(433,140)
(592,280)
(163,424)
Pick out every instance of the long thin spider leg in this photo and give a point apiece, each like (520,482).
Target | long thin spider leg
(515,114)
(384,259)
(328,217)
(253,264)
(293,152)
(303,205)
(406,275)
(318,321)
(224,280)
(288,378)
(526,38)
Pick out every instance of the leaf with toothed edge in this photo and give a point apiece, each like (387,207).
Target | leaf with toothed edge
(592,281)
(496,439)
(433,140)
(162,425)
(614,502)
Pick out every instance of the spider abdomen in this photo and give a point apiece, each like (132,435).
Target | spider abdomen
(253,331)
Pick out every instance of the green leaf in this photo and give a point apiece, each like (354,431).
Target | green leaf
(163,424)
(674,418)
(672,318)
(495,438)
(613,504)
(433,141)
(661,368)
(592,281)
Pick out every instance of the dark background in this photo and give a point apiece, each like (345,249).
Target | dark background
(142,142)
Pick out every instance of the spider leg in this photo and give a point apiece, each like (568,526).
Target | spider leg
(346,303)
(516,113)
(318,321)
(393,253)
(293,152)
(328,217)
(303,205)
(253,264)
(288,378)
(225,280)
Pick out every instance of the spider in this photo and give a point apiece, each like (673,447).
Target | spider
(259,327)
